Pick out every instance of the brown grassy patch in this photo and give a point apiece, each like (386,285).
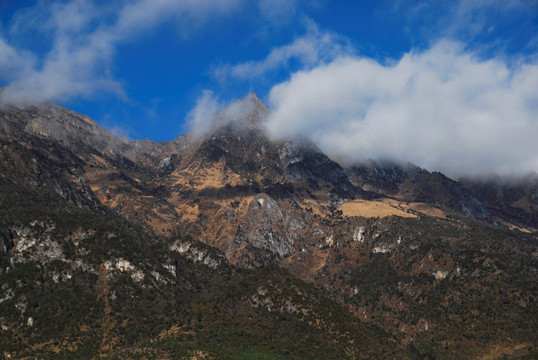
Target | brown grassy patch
(371,209)
(202,177)
(427,210)
(515,227)
(317,207)
(389,207)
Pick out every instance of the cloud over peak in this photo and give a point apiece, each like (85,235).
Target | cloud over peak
(210,113)
(443,108)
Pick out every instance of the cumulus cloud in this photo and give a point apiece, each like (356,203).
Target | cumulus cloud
(311,49)
(443,108)
(83,39)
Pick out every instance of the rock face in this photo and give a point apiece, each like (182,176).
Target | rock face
(420,257)
(515,199)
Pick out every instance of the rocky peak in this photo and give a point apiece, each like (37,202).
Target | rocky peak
(52,121)
(76,131)
(252,98)
(245,114)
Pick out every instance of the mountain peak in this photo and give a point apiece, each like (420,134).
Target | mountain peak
(248,112)
(252,97)
(253,103)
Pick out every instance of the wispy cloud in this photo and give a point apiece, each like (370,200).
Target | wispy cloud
(311,49)
(489,23)
(13,62)
(443,108)
(201,119)
(474,17)
(83,41)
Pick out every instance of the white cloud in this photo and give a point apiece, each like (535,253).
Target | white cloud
(84,38)
(210,113)
(444,109)
(144,14)
(13,62)
(475,14)
(202,118)
(309,50)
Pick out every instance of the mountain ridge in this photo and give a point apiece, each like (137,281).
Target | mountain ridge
(73,130)
(413,254)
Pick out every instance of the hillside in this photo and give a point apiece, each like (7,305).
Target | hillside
(232,245)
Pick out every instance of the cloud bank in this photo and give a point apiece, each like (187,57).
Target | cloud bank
(443,108)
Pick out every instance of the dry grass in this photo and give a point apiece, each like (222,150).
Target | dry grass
(317,207)
(97,160)
(186,211)
(427,210)
(389,207)
(371,209)
(204,177)
(319,259)
(515,227)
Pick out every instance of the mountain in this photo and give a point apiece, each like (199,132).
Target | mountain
(228,244)
(81,280)
(413,184)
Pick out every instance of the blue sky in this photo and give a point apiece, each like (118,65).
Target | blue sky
(362,78)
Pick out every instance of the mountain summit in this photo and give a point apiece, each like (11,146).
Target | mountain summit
(125,248)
